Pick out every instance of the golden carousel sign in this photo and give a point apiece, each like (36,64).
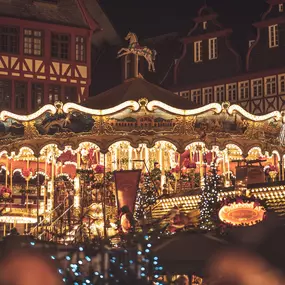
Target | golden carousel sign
(242,211)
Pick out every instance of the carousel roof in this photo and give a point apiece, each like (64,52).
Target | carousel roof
(135,89)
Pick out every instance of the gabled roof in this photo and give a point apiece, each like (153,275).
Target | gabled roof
(65,12)
(135,89)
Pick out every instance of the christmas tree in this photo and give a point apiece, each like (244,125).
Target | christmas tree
(209,200)
(146,197)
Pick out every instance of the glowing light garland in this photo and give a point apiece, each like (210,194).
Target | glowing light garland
(128,104)
(25,118)
(217,108)
(17,220)
(275,114)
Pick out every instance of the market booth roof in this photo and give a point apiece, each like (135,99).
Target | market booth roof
(135,89)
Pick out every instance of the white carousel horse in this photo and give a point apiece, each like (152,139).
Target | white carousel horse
(135,48)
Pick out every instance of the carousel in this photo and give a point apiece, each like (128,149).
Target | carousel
(130,162)
(61,159)
(60,167)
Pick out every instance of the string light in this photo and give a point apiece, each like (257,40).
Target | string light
(209,199)
(78,270)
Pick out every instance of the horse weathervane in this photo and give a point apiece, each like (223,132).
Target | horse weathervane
(136,49)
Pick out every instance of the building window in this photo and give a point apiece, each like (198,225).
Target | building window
(33,42)
(208,95)
(232,92)
(220,93)
(20,95)
(5,94)
(37,96)
(213,48)
(273,38)
(70,94)
(9,39)
(198,51)
(185,94)
(256,88)
(281,83)
(204,25)
(80,49)
(243,90)
(54,93)
(250,43)
(281,8)
(196,96)
(270,85)
(60,46)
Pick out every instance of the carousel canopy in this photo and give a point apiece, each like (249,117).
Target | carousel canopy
(135,89)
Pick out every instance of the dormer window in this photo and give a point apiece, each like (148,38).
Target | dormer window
(281,8)
(204,25)
(273,38)
(213,48)
(198,51)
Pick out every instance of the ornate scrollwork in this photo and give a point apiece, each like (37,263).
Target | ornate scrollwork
(96,125)
(190,123)
(254,130)
(30,130)
(185,125)
(102,125)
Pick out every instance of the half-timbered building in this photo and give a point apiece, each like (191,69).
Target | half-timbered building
(45,53)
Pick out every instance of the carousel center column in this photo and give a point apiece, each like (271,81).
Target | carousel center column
(77,187)
(50,189)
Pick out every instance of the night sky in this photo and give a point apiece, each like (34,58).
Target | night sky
(148,18)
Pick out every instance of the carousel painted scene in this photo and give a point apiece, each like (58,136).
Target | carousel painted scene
(143,171)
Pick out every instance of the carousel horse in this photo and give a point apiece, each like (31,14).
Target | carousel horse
(135,48)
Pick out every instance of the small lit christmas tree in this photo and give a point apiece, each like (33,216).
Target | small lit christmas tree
(209,200)
(146,197)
